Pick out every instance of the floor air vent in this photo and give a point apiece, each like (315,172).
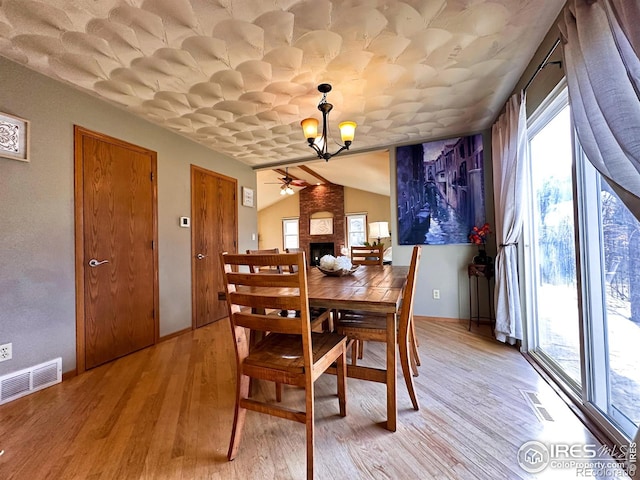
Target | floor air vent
(29,380)
(536,405)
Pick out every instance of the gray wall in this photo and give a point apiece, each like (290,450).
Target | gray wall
(37,285)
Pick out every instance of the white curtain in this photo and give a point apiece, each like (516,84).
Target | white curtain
(509,149)
(601,45)
(600,41)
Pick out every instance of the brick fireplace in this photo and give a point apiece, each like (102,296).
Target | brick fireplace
(322,198)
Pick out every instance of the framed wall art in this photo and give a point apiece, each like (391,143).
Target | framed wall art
(248,197)
(440,188)
(14,137)
(321,226)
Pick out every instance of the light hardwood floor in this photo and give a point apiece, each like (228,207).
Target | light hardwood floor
(165,413)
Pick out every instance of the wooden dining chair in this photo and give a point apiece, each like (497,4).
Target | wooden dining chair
(363,255)
(291,353)
(265,251)
(319,319)
(360,327)
(292,268)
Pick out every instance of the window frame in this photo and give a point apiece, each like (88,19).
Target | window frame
(285,235)
(348,229)
(592,396)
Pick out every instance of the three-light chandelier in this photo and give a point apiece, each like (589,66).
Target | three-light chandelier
(320,142)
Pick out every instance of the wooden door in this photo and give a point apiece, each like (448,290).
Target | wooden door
(214,212)
(116,258)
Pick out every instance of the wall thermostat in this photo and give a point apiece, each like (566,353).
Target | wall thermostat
(185,222)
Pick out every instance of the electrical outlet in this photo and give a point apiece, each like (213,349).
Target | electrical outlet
(436,294)
(6,352)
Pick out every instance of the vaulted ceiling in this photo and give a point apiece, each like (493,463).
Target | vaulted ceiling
(238,75)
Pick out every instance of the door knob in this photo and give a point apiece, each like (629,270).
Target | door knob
(94,263)
(200,256)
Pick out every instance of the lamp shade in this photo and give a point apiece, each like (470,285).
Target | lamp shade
(347,131)
(309,128)
(379,230)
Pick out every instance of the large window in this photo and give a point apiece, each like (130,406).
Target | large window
(554,288)
(583,282)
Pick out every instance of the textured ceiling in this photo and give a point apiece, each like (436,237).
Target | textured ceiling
(239,75)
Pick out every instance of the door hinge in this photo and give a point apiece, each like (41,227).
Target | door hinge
(153,245)
(152,176)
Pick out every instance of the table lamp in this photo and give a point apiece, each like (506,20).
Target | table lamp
(379,230)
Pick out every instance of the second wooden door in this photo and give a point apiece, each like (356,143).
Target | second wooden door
(214,230)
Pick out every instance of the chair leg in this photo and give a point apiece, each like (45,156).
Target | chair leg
(414,355)
(414,343)
(309,423)
(254,337)
(360,349)
(403,347)
(354,352)
(414,365)
(341,376)
(278,392)
(239,416)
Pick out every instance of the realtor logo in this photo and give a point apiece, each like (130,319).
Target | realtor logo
(533,457)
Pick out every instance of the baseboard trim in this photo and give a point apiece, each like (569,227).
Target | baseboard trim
(69,375)
(174,334)
(439,319)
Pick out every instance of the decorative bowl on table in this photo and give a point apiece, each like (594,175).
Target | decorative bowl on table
(341,272)
(336,266)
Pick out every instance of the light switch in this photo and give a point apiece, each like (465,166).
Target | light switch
(185,222)
(253,237)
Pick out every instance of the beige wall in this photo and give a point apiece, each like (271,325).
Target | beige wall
(37,258)
(270,221)
(355,201)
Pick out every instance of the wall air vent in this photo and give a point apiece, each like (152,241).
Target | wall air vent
(18,384)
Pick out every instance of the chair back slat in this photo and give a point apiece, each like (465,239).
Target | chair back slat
(363,255)
(252,321)
(264,280)
(262,301)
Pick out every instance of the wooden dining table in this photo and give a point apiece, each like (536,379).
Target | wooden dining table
(371,288)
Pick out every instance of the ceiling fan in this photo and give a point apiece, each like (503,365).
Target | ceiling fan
(287,182)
